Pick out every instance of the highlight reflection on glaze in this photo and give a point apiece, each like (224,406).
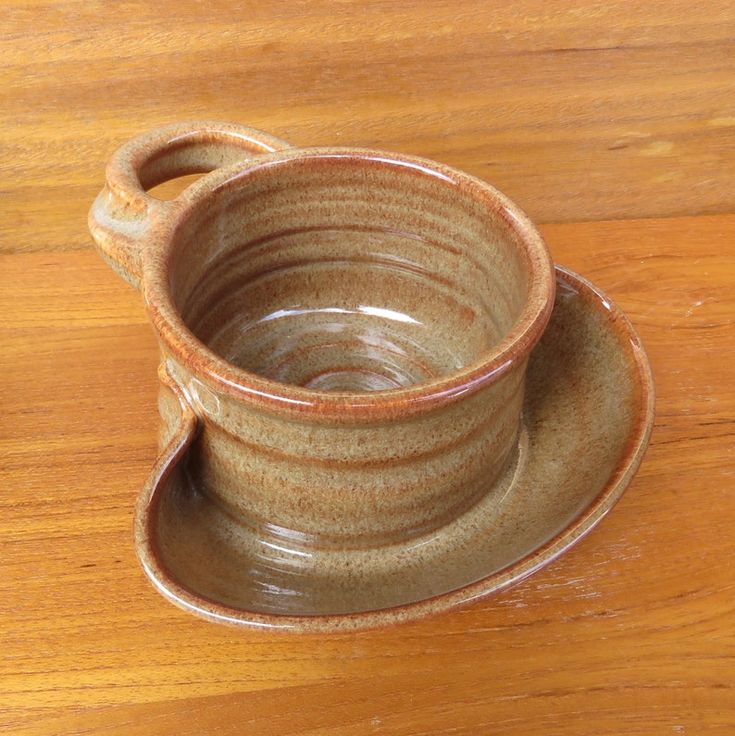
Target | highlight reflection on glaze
(586,422)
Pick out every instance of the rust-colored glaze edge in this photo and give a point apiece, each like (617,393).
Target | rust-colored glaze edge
(123,213)
(147,506)
(352,464)
(576,530)
(222,376)
(123,168)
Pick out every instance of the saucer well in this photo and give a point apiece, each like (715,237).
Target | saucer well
(587,417)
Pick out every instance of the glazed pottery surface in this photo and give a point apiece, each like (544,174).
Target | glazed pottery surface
(586,422)
(344,336)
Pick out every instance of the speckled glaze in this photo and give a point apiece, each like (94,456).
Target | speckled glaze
(344,336)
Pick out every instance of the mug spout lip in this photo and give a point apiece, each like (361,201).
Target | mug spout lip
(222,376)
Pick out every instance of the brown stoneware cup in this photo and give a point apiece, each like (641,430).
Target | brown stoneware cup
(348,329)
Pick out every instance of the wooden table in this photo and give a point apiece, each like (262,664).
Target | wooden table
(590,116)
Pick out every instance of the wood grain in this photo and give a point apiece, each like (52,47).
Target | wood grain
(632,632)
(576,110)
(579,111)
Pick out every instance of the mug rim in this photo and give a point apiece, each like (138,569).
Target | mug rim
(219,374)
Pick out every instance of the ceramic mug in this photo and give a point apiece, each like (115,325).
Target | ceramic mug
(346,329)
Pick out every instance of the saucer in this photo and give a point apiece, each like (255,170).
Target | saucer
(587,417)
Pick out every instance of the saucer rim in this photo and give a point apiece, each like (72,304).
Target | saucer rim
(515,572)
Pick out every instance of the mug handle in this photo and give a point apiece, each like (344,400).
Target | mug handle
(122,213)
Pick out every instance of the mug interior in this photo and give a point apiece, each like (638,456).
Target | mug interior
(348,273)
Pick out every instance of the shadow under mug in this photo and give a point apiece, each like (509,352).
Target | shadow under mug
(346,329)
